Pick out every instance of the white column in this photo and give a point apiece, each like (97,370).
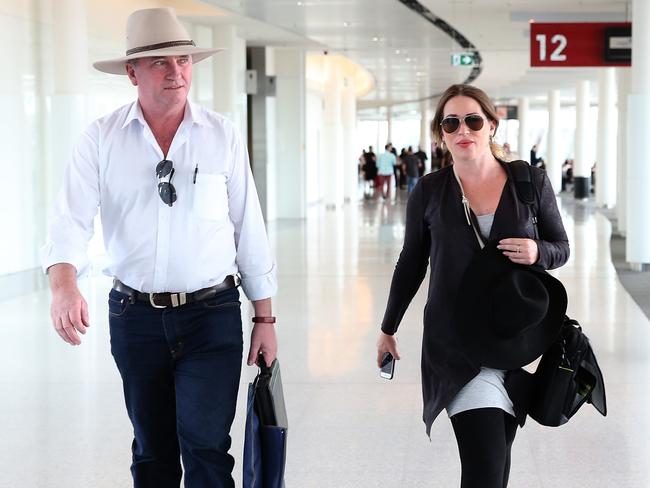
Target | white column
(606,156)
(389,135)
(229,70)
(70,69)
(378,141)
(637,242)
(554,151)
(262,137)
(291,174)
(271,141)
(523,143)
(584,138)
(425,138)
(623,79)
(202,91)
(332,136)
(349,127)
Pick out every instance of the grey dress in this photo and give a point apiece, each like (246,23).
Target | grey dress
(487,389)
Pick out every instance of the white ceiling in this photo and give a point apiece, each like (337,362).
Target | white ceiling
(409,56)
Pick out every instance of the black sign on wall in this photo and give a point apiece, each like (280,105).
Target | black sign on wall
(618,44)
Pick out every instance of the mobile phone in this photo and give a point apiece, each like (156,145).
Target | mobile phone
(387,368)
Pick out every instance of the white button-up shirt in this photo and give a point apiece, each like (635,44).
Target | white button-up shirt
(214,228)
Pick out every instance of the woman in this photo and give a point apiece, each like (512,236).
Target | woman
(437,230)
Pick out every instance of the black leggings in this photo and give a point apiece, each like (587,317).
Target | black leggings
(485,437)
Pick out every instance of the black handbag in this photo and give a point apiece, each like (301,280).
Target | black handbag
(567,377)
(265,440)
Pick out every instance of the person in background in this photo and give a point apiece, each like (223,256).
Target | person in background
(422,156)
(397,166)
(181,219)
(533,155)
(413,166)
(440,155)
(385,164)
(567,174)
(402,168)
(370,170)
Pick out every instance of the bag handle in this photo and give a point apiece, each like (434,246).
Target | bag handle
(264,369)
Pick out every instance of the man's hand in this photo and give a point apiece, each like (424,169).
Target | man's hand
(69,310)
(264,341)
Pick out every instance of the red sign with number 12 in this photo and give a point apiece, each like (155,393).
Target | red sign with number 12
(565,44)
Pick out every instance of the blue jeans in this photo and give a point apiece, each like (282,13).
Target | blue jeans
(180,371)
(412,181)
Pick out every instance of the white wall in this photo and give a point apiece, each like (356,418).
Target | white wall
(315,179)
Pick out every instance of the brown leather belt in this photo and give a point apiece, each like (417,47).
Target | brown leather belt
(165,300)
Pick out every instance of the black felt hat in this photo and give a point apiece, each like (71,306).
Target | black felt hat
(508,314)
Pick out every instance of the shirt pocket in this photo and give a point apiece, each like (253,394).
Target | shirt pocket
(210,197)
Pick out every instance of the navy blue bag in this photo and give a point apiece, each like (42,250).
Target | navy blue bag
(265,440)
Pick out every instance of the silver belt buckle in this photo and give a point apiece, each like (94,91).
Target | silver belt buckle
(153,303)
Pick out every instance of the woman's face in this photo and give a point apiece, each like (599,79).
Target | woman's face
(466,143)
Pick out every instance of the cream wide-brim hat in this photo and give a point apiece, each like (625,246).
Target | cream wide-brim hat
(154,32)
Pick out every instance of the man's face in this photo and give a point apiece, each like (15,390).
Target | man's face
(163,82)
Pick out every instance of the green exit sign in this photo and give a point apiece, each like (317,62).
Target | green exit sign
(463,59)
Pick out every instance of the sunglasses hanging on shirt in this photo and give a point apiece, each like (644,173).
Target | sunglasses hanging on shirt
(451,123)
(166,190)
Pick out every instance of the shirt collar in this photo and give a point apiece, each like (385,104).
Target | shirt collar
(135,113)
(193,115)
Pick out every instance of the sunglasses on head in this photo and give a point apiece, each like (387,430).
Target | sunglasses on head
(451,123)
(166,190)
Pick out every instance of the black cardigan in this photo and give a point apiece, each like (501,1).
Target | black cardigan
(437,231)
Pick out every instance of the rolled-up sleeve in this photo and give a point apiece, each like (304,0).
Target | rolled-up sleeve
(70,222)
(254,259)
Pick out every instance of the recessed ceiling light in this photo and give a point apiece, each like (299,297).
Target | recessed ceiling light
(375,38)
(346,24)
(299,4)
(396,51)
(408,60)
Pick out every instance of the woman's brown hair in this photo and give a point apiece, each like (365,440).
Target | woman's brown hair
(460,90)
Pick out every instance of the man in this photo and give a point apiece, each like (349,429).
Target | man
(422,156)
(533,155)
(385,165)
(180,218)
(370,170)
(412,164)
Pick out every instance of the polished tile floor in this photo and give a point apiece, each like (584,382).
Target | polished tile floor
(63,424)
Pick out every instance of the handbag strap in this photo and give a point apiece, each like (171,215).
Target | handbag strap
(527,192)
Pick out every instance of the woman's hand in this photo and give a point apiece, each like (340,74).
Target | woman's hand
(520,251)
(386,343)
